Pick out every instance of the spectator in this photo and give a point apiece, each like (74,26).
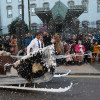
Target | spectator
(80,51)
(53,39)
(46,39)
(74,40)
(69,58)
(1,44)
(92,39)
(27,40)
(66,47)
(73,44)
(35,44)
(13,44)
(80,36)
(57,44)
(87,45)
(6,43)
(61,45)
(69,38)
(97,36)
(41,39)
(96,49)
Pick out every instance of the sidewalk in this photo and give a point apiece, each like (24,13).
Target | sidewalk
(84,69)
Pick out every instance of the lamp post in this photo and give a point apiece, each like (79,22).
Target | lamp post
(29,16)
(22,24)
(23,15)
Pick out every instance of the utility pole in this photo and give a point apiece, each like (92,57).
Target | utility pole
(29,16)
(23,28)
(23,15)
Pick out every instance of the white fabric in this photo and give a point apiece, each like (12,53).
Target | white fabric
(34,46)
(81,48)
(92,39)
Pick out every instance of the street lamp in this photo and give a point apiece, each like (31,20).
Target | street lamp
(29,16)
(22,14)
(22,25)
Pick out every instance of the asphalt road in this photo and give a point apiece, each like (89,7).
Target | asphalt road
(85,88)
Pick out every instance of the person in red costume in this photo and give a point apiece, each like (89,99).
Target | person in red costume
(80,49)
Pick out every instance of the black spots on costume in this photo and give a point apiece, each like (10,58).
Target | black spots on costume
(52,69)
(24,69)
(45,69)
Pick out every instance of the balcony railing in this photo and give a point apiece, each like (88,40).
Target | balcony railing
(81,7)
(42,9)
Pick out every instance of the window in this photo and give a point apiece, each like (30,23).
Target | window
(9,11)
(70,3)
(85,4)
(9,1)
(85,24)
(20,9)
(32,9)
(98,6)
(98,24)
(46,5)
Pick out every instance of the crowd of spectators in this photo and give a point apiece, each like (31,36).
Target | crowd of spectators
(76,47)
(9,44)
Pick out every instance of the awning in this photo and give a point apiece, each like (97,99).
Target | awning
(59,12)
(44,14)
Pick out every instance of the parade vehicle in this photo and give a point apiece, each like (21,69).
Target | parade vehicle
(35,68)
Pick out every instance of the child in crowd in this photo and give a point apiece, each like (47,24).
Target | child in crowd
(69,58)
(96,49)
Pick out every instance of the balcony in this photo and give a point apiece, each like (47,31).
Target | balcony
(77,7)
(42,9)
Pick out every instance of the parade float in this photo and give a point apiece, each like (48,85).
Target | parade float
(35,68)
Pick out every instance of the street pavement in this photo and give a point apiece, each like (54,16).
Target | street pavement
(86,79)
(84,88)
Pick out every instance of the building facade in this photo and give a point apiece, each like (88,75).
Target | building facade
(0,17)
(11,9)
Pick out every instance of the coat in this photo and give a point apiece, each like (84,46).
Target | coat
(57,44)
(96,48)
(7,46)
(77,48)
(27,41)
(87,45)
(47,40)
(14,44)
(1,44)
(97,37)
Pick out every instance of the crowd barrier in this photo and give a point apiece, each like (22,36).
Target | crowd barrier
(11,58)
(89,54)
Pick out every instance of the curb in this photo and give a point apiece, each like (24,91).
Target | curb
(84,74)
(81,73)
(1,76)
(95,74)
